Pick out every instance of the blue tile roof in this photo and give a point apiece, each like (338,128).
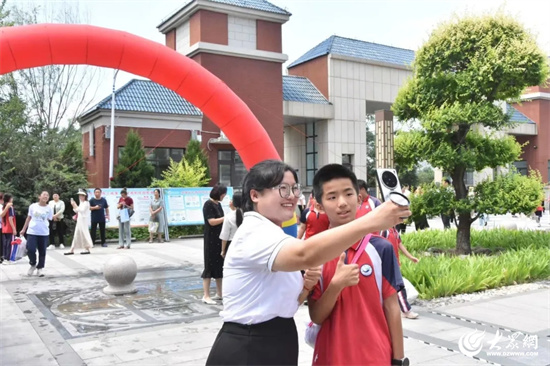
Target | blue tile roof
(517,116)
(300,89)
(359,49)
(254,4)
(147,96)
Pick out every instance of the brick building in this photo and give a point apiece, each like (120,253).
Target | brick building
(315,115)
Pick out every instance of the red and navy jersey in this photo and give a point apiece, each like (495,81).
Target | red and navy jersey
(392,235)
(316,222)
(6,227)
(356,331)
(368,204)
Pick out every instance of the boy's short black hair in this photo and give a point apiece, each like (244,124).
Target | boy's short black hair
(266,174)
(97,189)
(328,173)
(362,184)
(218,191)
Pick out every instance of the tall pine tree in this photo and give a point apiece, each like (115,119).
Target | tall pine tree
(133,169)
(193,152)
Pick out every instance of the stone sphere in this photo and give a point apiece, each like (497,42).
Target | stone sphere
(120,272)
(509,226)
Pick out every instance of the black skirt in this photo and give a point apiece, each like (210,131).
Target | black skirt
(274,342)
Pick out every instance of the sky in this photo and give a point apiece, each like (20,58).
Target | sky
(399,23)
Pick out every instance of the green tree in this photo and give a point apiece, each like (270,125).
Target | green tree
(182,174)
(426,175)
(65,174)
(34,157)
(407,176)
(460,75)
(510,192)
(55,94)
(133,169)
(194,152)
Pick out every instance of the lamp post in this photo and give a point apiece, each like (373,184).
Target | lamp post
(112,144)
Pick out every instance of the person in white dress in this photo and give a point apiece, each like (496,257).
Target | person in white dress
(81,238)
(233,220)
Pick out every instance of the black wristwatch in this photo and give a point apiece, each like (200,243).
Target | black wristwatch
(401,362)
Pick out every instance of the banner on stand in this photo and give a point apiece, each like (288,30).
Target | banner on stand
(184,205)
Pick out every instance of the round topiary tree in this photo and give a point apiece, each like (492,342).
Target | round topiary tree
(461,76)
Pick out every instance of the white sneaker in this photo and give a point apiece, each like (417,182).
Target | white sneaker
(39,273)
(61,246)
(410,315)
(51,246)
(31,270)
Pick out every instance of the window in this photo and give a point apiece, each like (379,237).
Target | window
(231,170)
(311,153)
(347,161)
(160,158)
(521,166)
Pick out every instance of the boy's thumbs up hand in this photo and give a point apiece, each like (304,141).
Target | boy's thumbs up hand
(346,274)
(341,260)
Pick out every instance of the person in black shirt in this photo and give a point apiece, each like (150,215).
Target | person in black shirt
(100,211)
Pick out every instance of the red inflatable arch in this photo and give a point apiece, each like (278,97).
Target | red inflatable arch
(69,44)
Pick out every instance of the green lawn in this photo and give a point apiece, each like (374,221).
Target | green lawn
(521,256)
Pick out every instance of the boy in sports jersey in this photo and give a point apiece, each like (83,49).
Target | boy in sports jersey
(367,202)
(312,221)
(355,304)
(392,235)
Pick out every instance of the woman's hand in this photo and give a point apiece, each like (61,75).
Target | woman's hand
(311,277)
(388,215)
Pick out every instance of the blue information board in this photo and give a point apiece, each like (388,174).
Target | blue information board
(184,205)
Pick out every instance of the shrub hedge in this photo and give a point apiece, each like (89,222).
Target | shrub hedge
(524,256)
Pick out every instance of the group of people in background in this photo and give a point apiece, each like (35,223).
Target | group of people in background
(46,221)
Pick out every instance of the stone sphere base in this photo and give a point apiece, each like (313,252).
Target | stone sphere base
(120,273)
(509,226)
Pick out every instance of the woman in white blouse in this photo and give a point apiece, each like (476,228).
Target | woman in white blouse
(231,222)
(262,279)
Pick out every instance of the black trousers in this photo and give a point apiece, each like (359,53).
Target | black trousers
(6,245)
(57,228)
(101,231)
(446,221)
(274,342)
(402,228)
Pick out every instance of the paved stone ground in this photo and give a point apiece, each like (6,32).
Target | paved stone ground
(65,319)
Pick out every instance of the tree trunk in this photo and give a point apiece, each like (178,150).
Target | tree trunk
(463,245)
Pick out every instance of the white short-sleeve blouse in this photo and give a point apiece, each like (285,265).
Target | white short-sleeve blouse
(252,292)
